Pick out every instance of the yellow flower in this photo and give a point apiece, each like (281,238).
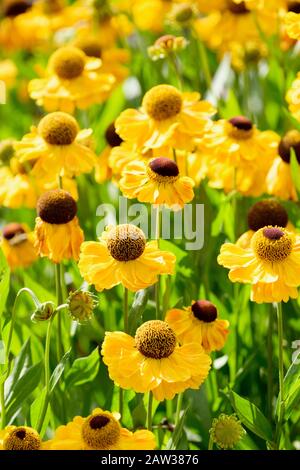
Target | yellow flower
(20,438)
(8,72)
(279,178)
(292,22)
(167,117)
(57,14)
(81,305)
(199,323)
(20,27)
(206,7)
(57,147)
(122,256)
(273,258)
(226,431)
(236,24)
(57,230)
(235,148)
(157,182)
(153,360)
(293,97)
(73,81)
(17,243)
(100,431)
(113,59)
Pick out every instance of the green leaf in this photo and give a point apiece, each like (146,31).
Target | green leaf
(21,364)
(23,388)
(138,306)
(83,370)
(291,387)
(251,416)
(4,281)
(138,411)
(58,371)
(173,443)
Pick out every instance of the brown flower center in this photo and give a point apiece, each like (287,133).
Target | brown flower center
(184,13)
(237,8)
(272,244)
(126,242)
(58,128)
(56,207)
(22,438)
(164,167)
(12,230)
(240,127)
(291,140)
(155,339)
(267,212)
(112,138)
(205,311)
(16,8)
(162,102)
(68,62)
(101,431)
(294,7)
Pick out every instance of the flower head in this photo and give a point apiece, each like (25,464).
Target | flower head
(167,117)
(100,431)
(81,305)
(153,360)
(17,243)
(166,45)
(122,255)
(157,181)
(226,431)
(199,323)
(57,147)
(267,212)
(58,235)
(20,438)
(73,80)
(270,264)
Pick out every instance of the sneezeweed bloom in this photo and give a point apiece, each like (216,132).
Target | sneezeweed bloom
(100,431)
(81,305)
(279,178)
(43,312)
(149,15)
(166,46)
(199,323)
(57,147)
(157,182)
(292,21)
(57,230)
(103,171)
(154,361)
(167,117)
(226,431)
(73,81)
(17,243)
(271,264)
(122,256)
(182,14)
(235,147)
(20,438)
(292,97)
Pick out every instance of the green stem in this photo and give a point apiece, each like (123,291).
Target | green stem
(126,310)
(178,408)
(270,362)
(59,300)
(174,64)
(203,59)
(210,443)
(2,404)
(281,375)
(157,285)
(121,401)
(149,411)
(45,403)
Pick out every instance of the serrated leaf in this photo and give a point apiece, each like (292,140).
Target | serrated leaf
(83,370)
(251,416)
